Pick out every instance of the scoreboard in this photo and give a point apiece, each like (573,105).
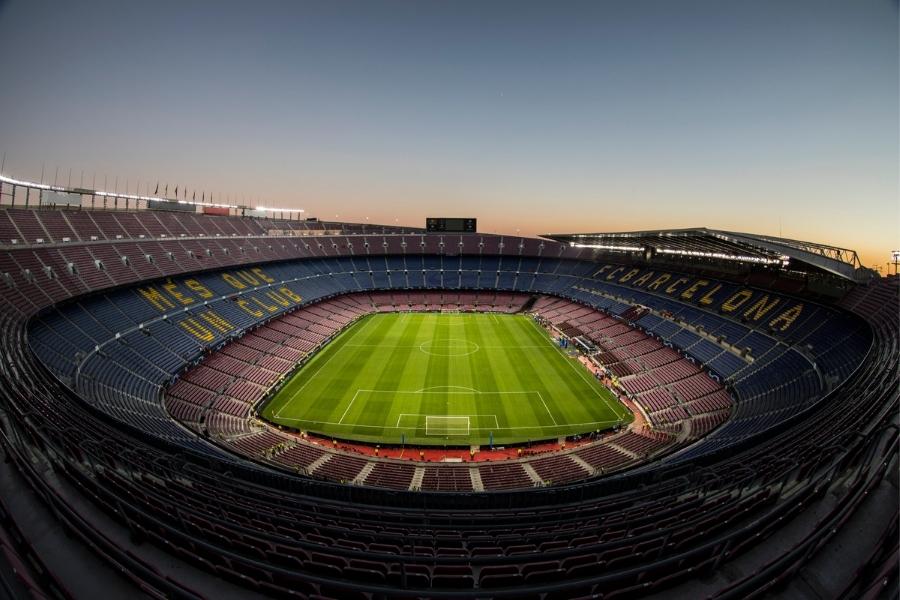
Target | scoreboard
(447,225)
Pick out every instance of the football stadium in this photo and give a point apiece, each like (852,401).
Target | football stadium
(404,300)
(221,401)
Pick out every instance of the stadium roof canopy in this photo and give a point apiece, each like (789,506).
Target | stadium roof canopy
(714,245)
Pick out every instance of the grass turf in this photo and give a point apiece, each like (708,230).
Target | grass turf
(444,379)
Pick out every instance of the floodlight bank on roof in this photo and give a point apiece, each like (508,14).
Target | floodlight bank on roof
(714,244)
(101,193)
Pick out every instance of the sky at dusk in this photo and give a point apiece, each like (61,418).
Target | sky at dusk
(776,117)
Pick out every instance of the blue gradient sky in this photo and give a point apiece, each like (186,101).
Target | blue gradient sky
(767,117)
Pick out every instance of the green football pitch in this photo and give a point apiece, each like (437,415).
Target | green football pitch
(444,379)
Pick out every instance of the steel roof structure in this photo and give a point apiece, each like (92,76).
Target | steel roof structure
(718,245)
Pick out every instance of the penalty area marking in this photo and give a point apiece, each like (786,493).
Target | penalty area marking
(434,390)
(448,389)
(346,410)
(547,409)
(433,345)
(319,370)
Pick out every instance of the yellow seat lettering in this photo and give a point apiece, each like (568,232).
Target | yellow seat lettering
(627,276)
(761,308)
(291,294)
(156,298)
(233,281)
(268,307)
(217,321)
(262,275)
(644,278)
(738,299)
(172,287)
(673,287)
(198,288)
(692,289)
(709,297)
(245,306)
(612,274)
(278,298)
(197,330)
(659,281)
(787,318)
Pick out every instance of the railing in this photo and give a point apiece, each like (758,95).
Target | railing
(30,194)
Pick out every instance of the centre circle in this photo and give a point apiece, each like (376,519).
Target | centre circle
(449,347)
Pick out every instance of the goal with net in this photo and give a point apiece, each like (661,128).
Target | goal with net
(446,425)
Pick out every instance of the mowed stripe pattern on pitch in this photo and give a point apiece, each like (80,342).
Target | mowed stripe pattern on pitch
(381,378)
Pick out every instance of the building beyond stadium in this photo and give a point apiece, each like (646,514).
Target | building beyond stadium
(143,337)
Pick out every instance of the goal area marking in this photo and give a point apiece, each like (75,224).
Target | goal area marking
(446,425)
(440,424)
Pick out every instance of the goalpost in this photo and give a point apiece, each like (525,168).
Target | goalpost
(446,425)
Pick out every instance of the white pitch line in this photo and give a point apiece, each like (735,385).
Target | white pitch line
(582,375)
(427,391)
(473,428)
(547,409)
(346,410)
(386,346)
(336,424)
(516,346)
(465,415)
(496,420)
(447,387)
(306,383)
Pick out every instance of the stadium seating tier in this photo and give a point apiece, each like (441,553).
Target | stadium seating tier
(813,403)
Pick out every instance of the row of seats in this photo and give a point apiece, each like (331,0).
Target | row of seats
(203,397)
(558,557)
(34,226)
(630,534)
(773,385)
(670,388)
